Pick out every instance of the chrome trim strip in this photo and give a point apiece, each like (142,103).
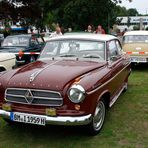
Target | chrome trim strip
(107,81)
(15,95)
(117,96)
(36,97)
(50,91)
(59,120)
(34,104)
(22,61)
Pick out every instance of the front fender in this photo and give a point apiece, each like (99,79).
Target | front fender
(2,68)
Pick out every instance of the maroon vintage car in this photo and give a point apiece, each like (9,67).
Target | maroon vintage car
(76,78)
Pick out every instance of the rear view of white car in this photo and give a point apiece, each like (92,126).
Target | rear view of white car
(135,44)
(7,61)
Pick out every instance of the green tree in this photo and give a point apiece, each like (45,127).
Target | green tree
(132,12)
(69,13)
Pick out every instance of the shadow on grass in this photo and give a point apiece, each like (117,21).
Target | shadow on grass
(140,67)
(48,130)
(26,135)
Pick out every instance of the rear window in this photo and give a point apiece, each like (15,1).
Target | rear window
(135,38)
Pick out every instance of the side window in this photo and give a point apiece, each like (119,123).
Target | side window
(118,47)
(112,50)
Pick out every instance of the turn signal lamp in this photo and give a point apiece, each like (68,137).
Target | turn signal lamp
(77,107)
(51,112)
(6,107)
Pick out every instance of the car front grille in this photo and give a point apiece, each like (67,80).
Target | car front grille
(33,97)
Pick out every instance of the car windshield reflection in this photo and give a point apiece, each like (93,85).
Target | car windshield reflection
(74,49)
(135,38)
(16,41)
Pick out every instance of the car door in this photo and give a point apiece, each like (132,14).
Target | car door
(115,61)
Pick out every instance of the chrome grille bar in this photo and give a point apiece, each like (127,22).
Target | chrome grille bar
(33,97)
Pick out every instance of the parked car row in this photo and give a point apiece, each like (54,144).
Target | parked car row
(76,78)
(22,46)
(28,47)
(74,81)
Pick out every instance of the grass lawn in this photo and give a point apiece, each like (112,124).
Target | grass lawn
(126,125)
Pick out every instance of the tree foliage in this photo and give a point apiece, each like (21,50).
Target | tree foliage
(132,12)
(122,11)
(69,13)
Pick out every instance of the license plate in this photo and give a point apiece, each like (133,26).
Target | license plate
(27,118)
(136,59)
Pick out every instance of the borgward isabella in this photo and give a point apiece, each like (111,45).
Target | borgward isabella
(75,79)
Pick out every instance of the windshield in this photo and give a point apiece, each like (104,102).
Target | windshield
(74,48)
(135,38)
(16,41)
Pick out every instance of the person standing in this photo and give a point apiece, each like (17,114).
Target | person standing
(57,32)
(112,32)
(100,30)
(89,29)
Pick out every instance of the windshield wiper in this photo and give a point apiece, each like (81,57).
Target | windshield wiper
(67,55)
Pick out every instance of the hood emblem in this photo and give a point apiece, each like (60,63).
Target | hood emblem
(32,77)
(29,96)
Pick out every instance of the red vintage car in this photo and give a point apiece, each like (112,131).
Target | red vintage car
(75,79)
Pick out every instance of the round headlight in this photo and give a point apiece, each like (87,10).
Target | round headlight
(76,93)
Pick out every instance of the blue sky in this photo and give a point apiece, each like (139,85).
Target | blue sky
(140,5)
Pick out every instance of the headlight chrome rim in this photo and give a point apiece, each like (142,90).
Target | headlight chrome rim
(77,90)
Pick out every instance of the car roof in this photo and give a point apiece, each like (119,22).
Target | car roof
(140,32)
(85,36)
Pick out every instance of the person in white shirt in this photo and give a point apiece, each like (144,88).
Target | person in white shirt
(57,32)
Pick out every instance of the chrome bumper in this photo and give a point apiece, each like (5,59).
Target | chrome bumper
(139,59)
(59,120)
(20,62)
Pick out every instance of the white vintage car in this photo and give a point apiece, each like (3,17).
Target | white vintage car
(135,44)
(7,61)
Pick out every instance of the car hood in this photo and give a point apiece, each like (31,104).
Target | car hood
(12,49)
(51,75)
(6,56)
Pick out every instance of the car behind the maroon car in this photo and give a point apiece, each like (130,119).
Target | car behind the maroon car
(25,46)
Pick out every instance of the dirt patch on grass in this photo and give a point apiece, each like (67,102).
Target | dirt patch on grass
(124,142)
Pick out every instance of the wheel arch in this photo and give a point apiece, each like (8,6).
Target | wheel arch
(105,95)
(2,68)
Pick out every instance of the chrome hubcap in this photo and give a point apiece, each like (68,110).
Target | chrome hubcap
(99,116)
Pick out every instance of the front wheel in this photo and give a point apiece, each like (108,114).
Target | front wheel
(98,118)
